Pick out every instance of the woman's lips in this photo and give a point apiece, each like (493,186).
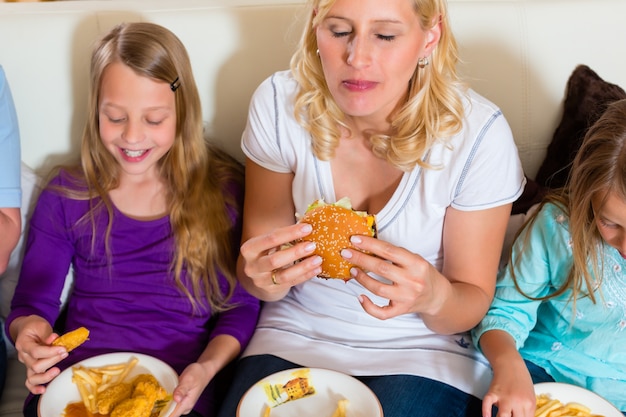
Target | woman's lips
(359,85)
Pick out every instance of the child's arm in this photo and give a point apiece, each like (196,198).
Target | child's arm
(232,332)
(220,351)
(33,336)
(36,302)
(539,268)
(512,387)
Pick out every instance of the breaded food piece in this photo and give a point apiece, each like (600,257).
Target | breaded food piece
(133,407)
(108,399)
(145,378)
(148,386)
(71,340)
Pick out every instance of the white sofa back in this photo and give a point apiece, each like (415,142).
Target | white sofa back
(519,53)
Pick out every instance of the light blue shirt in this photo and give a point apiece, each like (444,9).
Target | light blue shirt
(10,191)
(585,346)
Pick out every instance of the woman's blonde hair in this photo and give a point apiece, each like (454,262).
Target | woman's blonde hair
(433,109)
(599,169)
(201,210)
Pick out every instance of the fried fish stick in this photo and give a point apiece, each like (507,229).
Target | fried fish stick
(71,340)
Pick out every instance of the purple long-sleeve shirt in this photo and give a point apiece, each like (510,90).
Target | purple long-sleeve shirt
(129,304)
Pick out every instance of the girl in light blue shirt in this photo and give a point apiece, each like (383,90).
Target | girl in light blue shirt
(559,312)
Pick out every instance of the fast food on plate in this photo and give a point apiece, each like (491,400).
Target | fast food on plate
(333,225)
(309,392)
(71,340)
(549,407)
(64,396)
(109,391)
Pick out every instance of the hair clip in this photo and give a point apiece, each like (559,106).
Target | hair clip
(175,84)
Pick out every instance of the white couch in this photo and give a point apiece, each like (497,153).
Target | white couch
(518,53)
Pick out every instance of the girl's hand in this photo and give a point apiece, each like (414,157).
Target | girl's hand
(511,388)
(512,391)
(32,343)
(416,286)
(196,376)
(191,383)
(273,265)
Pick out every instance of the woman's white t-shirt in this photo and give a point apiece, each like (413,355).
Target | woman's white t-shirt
(321,323)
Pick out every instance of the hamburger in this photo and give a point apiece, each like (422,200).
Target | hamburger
(333,224)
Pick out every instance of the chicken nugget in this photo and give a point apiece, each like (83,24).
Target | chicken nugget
(71,340)
(108,399)
(133,407)
(148,386)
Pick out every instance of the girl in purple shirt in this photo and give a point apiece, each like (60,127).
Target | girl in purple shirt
(149,222)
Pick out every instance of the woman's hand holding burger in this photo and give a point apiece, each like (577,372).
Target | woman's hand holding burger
(332,241)
(415,285)
(274,264)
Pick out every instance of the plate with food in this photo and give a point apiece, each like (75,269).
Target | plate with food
(110,383)
(551,395)
(309,392)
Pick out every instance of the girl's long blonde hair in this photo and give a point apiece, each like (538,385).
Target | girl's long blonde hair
(598,169)
(433,109)
(202,212)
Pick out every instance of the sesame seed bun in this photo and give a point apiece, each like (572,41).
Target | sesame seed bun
(333,224)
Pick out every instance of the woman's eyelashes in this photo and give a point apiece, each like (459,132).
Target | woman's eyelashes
(341,34)
(388,38)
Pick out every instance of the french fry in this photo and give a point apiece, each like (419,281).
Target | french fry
(84,393)
(94,380)
(544,410)
(340,411)
(548,407)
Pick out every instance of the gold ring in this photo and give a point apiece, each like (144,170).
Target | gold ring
(274,278)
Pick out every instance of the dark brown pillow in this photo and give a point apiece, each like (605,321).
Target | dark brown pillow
(533,193)
(587,97)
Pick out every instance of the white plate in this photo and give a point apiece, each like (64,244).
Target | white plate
(62,391)
(572,393)
(330,387)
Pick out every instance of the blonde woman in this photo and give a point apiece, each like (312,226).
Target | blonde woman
(372,109)
(150,223)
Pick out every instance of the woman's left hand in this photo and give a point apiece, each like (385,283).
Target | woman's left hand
(415,287)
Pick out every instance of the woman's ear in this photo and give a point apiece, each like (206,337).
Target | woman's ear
(432,36)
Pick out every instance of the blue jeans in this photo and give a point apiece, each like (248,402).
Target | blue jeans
(537,373)
(400,395)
